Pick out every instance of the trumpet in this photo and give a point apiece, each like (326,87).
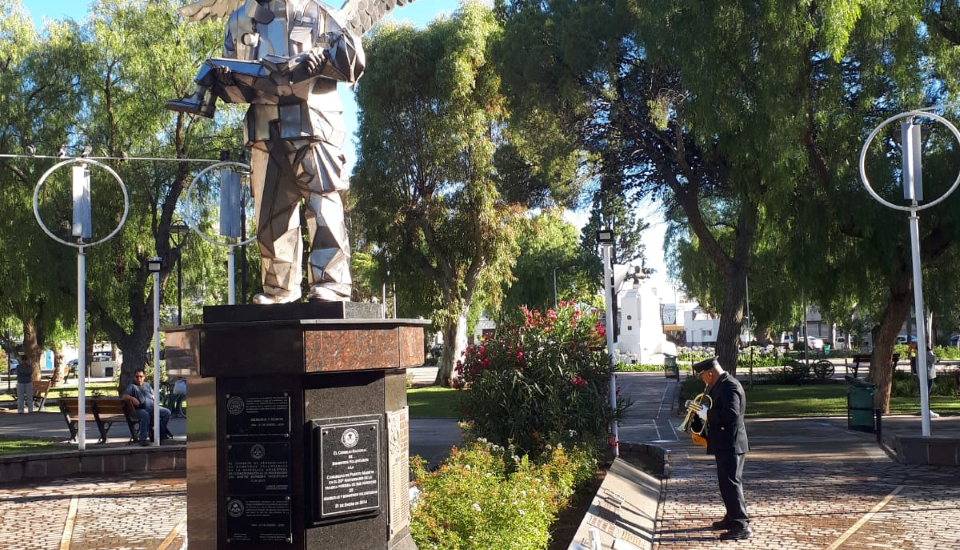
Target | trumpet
(698,401)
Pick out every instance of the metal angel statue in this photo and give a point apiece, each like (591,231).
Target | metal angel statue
(284,58)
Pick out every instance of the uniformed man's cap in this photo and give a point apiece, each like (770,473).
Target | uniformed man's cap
(706,365)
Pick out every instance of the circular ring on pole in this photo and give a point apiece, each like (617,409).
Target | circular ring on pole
(189,203)
(873,134)
(43,178)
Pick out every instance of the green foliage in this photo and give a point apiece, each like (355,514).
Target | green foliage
(483,497)
(908,385)
(538,384)
(948,353)
(548,247)
(635,367)
(431,119)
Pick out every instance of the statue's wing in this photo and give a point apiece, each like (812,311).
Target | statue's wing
(361,15)
(210,9)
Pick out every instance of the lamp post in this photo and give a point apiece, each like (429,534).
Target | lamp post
(154,265)
(605,240)
(81,229)
(555,302)
(230,215)
(912,146)
(178,230)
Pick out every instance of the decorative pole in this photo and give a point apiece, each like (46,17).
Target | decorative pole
(82,222)
(605,238)
(912,146)
(155,264)
(230,215)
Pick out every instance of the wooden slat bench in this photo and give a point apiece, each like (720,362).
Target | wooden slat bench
(863,359)
(103,411)
(40,390)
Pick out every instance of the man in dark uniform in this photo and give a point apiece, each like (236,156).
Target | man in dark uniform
(727,442)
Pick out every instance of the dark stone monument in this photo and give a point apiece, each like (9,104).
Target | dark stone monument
(297,437)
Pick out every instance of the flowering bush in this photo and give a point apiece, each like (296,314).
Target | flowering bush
(545,382)
(485,498)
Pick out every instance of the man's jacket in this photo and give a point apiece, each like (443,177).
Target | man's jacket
(725,429)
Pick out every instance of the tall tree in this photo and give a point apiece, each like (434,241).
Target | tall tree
(432,119)
(38,79)
(611,77)
(551,266)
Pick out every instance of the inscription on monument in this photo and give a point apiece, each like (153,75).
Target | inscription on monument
(349,476)
(258,414)
(260,468)
(259,519)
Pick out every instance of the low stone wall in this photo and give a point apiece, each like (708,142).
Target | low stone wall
(104,461)
(932,451)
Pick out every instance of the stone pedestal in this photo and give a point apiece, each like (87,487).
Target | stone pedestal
(297,428)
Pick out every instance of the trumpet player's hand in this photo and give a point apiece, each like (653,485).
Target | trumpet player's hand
(698,409)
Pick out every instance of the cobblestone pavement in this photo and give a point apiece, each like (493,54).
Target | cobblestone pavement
(809,484)
(135,513)
(808,487)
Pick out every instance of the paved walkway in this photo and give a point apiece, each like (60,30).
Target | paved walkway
(809,484)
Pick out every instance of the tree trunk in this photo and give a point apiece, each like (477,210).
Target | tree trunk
(731,319)
(31,350)
(135,353)
(454,342)
(884,338)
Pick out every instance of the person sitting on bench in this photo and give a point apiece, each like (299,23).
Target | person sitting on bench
(141,396)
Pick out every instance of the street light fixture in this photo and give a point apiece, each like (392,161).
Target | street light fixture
(178,230)
(154,265)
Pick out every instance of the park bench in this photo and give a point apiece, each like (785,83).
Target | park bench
(104,411)
(40,390)
(863,359)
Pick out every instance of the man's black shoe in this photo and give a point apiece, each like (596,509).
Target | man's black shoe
(144,443)
(723,524)
(737,533)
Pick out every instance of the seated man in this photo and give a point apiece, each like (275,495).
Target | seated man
(141,396)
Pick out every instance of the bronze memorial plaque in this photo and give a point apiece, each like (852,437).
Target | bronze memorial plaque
(259,519)
(260,468)
(349,476)
(258,414)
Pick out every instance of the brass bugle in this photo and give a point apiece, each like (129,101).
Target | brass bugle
(698,400)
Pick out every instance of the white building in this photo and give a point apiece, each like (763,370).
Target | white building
(700,327)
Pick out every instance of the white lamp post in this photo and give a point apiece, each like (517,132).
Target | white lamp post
(230,204)
(155,264)
(605,239)
(913,192)
(82,222)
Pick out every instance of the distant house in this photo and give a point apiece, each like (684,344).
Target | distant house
(700,327)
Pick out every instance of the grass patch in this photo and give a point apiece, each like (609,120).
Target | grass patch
(27,446)
(433,402)
(769,401)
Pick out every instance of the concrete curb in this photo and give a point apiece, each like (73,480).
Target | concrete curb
(129,460)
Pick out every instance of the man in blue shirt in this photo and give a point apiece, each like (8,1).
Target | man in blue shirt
(141,396)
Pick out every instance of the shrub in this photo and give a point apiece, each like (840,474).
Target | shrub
(545,382)
(907,385)
(483,497)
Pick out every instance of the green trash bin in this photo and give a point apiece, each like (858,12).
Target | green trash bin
(670,369)
(826,349)
(860,412)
